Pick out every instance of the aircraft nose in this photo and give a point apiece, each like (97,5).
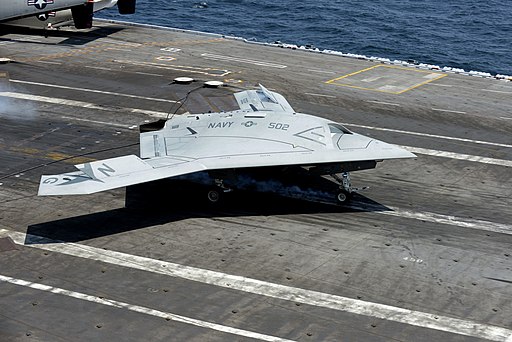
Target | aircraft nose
(372,147)
(389,151)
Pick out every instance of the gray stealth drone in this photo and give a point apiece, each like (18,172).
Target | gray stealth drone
(264,132)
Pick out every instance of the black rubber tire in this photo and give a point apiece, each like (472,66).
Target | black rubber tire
(214,196)
(343,197)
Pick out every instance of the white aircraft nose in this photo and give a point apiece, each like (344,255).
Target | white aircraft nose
(368,148)
(388,151)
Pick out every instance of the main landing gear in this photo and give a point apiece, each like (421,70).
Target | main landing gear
(213,195)
(216,193)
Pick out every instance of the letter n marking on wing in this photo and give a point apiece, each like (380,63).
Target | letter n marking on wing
(106,170)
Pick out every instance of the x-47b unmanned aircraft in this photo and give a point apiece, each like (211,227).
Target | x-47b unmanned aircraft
(265,132)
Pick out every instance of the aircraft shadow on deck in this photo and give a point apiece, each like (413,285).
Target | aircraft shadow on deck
(163,202)
(73,37)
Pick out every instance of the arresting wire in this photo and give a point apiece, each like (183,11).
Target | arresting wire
(181,101)
(64,159)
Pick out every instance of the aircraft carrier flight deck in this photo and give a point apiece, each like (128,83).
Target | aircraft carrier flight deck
(423,254)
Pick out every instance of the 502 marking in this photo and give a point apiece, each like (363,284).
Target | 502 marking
(278,125)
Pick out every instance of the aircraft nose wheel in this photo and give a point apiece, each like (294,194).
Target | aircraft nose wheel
(343,197)
(345,193)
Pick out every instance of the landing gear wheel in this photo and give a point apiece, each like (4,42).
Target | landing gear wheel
(213,196)
(343,197)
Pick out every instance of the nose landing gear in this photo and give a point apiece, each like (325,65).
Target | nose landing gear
(345,192)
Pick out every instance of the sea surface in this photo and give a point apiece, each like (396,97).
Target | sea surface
(471,35)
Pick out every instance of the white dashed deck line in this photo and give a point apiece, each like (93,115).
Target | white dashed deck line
(481,142)
(81,104)
(459,156)
(87,90)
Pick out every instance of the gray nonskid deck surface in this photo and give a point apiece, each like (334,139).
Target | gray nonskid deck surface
(424,254)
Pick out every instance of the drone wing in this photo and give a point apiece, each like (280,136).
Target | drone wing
(114,173)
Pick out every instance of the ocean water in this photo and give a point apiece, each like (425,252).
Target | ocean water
(471,34)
